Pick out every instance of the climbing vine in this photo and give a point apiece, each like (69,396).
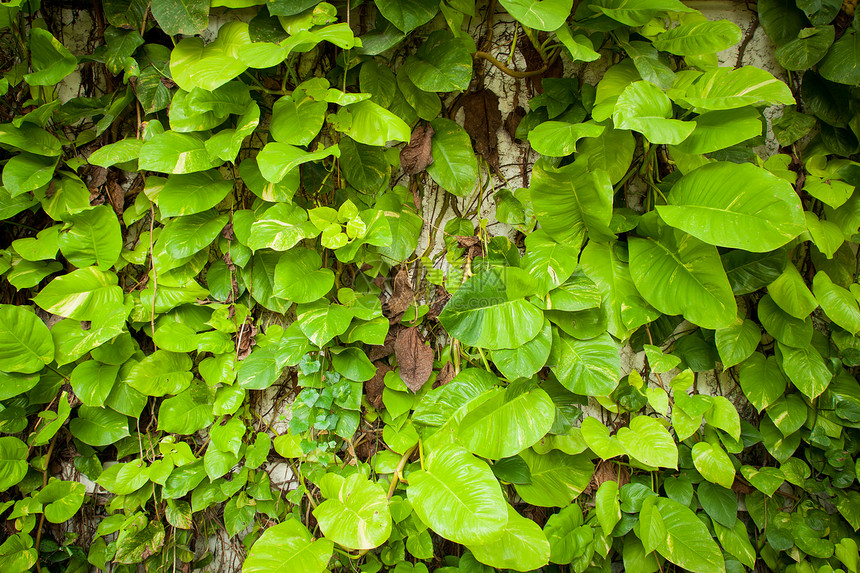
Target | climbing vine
(274,292)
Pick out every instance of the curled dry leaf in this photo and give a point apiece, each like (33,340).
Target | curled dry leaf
(373,388)
(401,296)
(414,358)
(446,374)
(483,121)
(417,155)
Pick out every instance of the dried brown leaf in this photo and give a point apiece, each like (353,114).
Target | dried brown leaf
(446,374)
(512,122)
(373,388)
(402,295)
(483,121)
(414,358)
(417,155)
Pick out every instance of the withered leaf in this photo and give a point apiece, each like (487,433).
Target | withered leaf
(512,122)
(446,374)
(414,358)
(402,295)
(483,121)
(386,349)
(373,388)
(417,155)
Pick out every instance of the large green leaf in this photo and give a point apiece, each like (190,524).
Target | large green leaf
(699,38)
(288,547)
(187,412)
(195,65)
(737,342)
(29,137)
(489,310)
(606,265)
(807,49)
(61,499)
(160,373)
(547,15)
(781,19)
(717,130)
(25,342)
(372,124)
(297,120)
(321,321)
(510,421)
(787,329)
(280,228)
(441,64)
(761,380)
(727,88)
(13,461)
(277,161)
(679,274)
(93,381)
(557,478)
(84,294)
(172,152)
(637,13)
(571,202)
(356,514)
(842,62)
(91,237)
(648,441)
(185,236)
(97,426)
(181,16)
(686,541)
(51,60)
(790,293)
(714,464)
(528,359)
(27,172)
(735,205)
(586,367)
(522,546)
(407,14)
(611,151)
(643,107)
(458,497)
(549,262)
(192,193)
(838,303)
(806,369)
(454,167)
(299,278)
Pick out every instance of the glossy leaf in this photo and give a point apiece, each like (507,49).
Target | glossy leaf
(288,547)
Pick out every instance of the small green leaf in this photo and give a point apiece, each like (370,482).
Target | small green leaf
(356,513)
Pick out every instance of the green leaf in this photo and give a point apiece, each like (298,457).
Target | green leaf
(187,412)
(547,15)
(186,236)
(192,193)
(727,88)
(557,478)
(442,63)
(714,464)
(288,547)
(356,513)
(321,321)
(717,130)
(806,369)
(364,166)
(528,359)
(13,461)
(280,228)
(372,124)
(571,202)
(699,38)
(299,278)
(522,546)
(84,294)
(51,61)
(637,13)
(91,237)
(161,373)
(510,421)
(611,152)
(454,167)
(765,479)
(826,236)
(606,265)
(820,11)
(807,49)
(97,426)
(736,541)
(720,503)
(27,172)
(790,293)
(781,20)
(181,16)
(297,120)
(93,381)
(679,274)
(788,413)
(585,367)
(648,441)
(29,137)
(838,303)
(607,506)
(842,62)
(643,107)
(688,543)
(25,342)
(61,499)
(195,65)
(596,435)
(748,272)
(172,152)
(737,342)
(407,14)
(458,497)
(489,310)
(735,205)
(122,151)
(782,326)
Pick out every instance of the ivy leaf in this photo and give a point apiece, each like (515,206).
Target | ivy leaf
(299,278)
(842,62)
(25,342)
(192,193)
(27,172)
(92,236)
(637,14)
(727,88)
(806,369)
(98,426)
(356,513)
(288,547)
(172,152)
(714,464)
(296,120)
(187,17)
(458,497)
(321,321)
(528,359)
(161,373)
(280,228)
(838,303)
(807,49)
(558,138)
(737,342)
(688,543)
(93,381)
(454,166)
(186,236)
(717,130)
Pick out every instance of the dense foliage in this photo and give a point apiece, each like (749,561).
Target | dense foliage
(219,221)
